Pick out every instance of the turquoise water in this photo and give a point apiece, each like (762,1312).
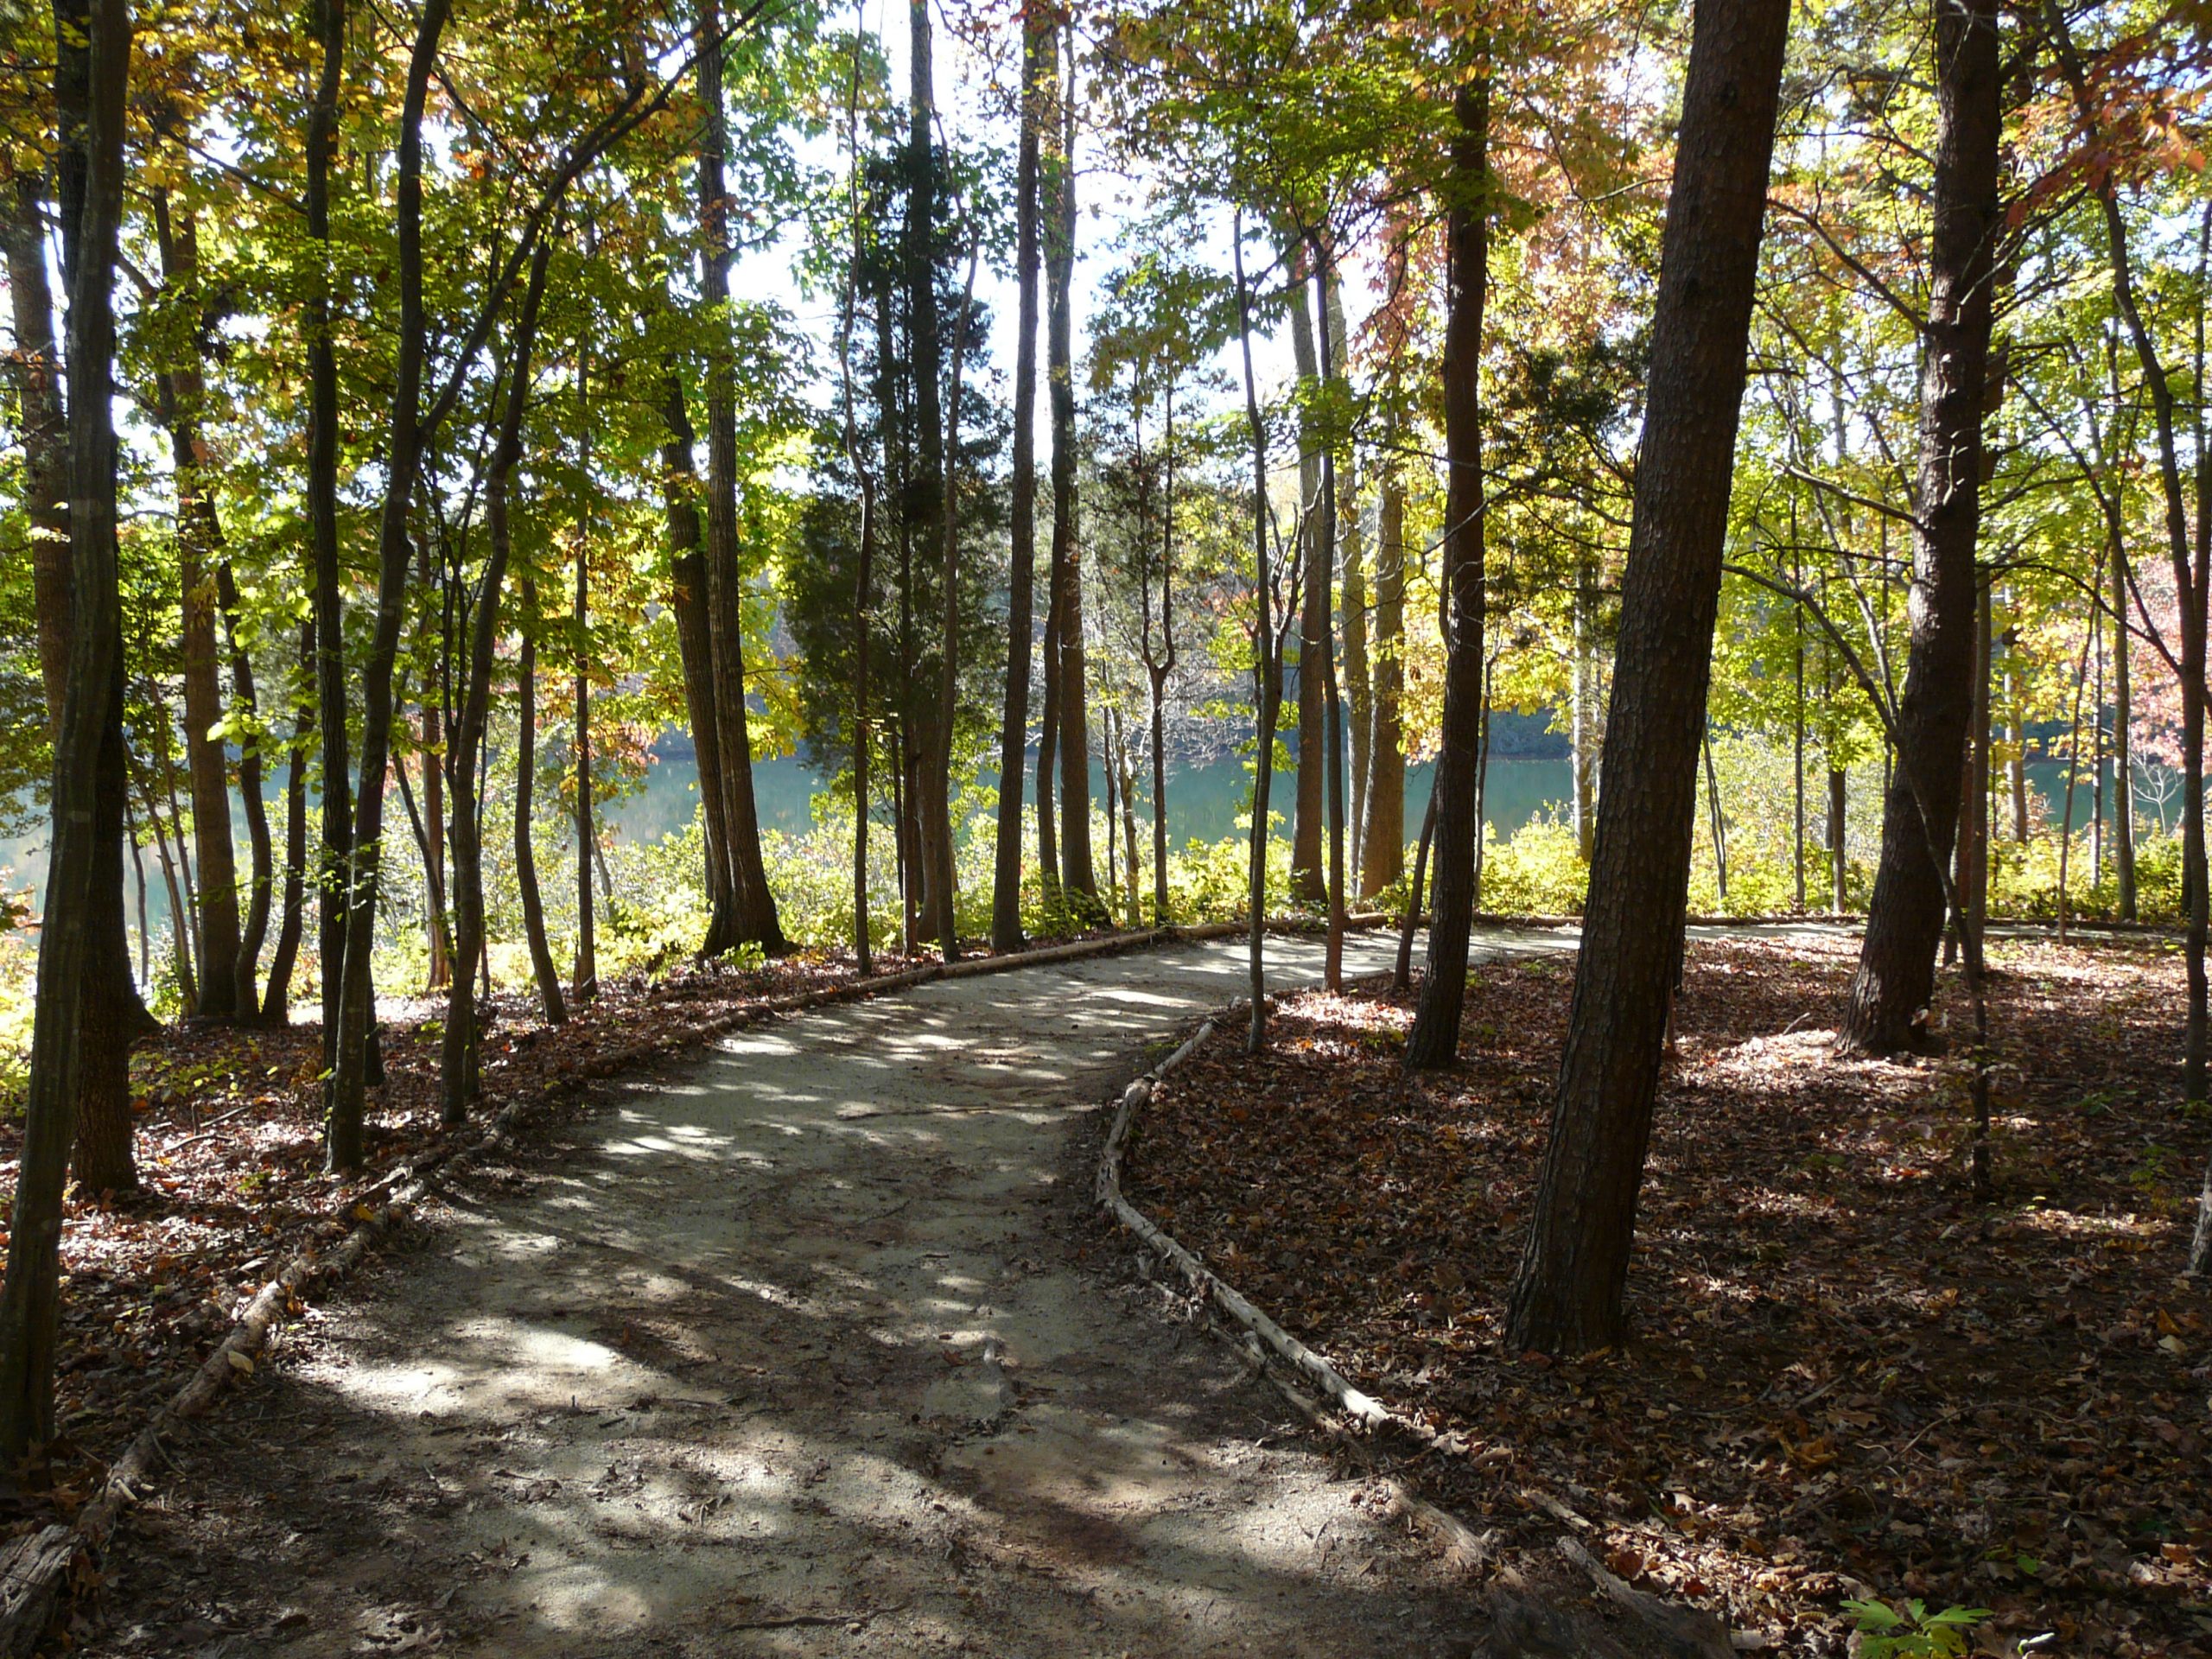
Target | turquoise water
(1203,802)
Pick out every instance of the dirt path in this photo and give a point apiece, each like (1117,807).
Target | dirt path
(793,1349)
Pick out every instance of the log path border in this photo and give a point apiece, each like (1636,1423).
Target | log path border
(1674,1630)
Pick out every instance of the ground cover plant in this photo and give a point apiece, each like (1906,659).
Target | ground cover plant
(1846,1379)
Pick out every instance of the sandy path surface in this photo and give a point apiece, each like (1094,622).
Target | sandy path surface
(809,1345)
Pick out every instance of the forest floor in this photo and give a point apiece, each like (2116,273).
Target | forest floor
(1846,1377)
(811,1344)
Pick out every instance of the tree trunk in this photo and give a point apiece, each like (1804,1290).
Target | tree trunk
(460,1069)
(1308,805)
(687,567)
(199,549)
(1267,669)
(1382,839)
(757,922)
(335,852)
(277,994)
(1359,695)
(587,964)
(1905,919)
(1838,851)
(244,696)
(349,1076)
(1078,879)
(85,860)
(1434,1039)
(1326,520)
(34,369)
(1568,1294)
(549,1000)
(2123,795)
(1582,727)
(1037,53)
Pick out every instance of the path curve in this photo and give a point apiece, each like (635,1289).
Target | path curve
(808,1346)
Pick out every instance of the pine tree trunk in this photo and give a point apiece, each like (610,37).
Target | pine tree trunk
(1434,1039)
(1905,919)
(1568,1296)
(34,372)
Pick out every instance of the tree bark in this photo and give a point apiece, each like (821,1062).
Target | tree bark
(85,861)
(335,852)
(199,549)
(687,567)
(1078,878)
(1359,695)
(35,370)
(1435,1039)
(757,922)
(587,965)
(2123,798)
(1333,949)
(1905,920)
(349,1078)
(1037,34)
(1267,668)
(1567,1295)
(1308,806)
(277,993)
(1382,839)
(459,1070)
(549,1000)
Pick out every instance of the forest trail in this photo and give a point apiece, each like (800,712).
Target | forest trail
(793,1349)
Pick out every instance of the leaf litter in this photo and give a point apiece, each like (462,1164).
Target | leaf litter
(1846,1378)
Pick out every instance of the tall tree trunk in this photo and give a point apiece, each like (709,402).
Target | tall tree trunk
(34,368)
(1308,807)
(1037,36)
(335,851)
(113,1008)
(1583,712)
(1325,520)
(757,922)
(2123,795)
(2016,739)
(1839,850)
(459,1071)
(1078,879)
(343,1145)
(1382,839)
(687,567)
(199,549)
(244,697)
(1359,698)
(1267,668)
(277,994)
(587,974)
(85,861)
(1568,1294)
(1905,919)
(549,1000)
(1159,662)
(1434,1039)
